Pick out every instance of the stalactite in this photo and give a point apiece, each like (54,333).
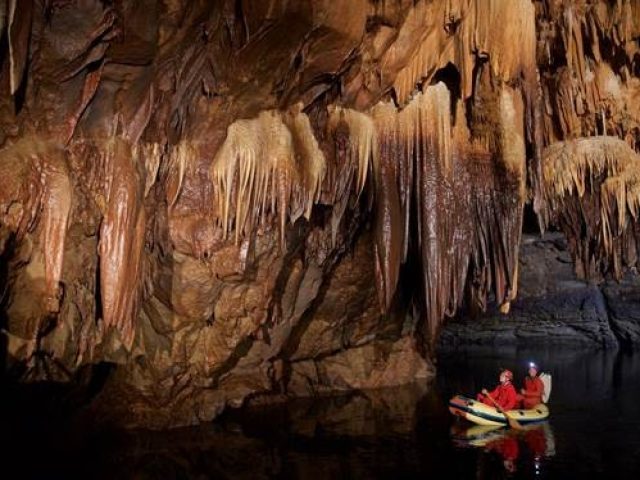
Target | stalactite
(422,134)
(88,92)
(37,190)
(56,206)
(484,28)
(534,124)
(122,239)
(468,201)
(359,152)
(182,156)
(415,119)
(245,171)
(593,92)
(572,166)
(497,206)
(21,186)
(622,243)
(509,193)
(150,154)
(18,33)
(444,238)
(267,167)
(138,123)
(423,129)
(389,219)
(362,136)
(592,189)
(309,159)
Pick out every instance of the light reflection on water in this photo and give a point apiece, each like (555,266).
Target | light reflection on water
(594,404)
(593,431)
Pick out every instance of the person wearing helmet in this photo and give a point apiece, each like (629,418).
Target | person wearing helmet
(533,388)
(504,394)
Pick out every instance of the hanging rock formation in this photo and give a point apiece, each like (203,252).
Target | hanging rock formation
(232,199)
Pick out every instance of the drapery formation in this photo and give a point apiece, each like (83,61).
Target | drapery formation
(593,184)
(589,66)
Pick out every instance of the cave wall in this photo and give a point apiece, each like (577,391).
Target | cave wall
(227,199)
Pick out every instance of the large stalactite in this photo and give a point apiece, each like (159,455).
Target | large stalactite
(184,184)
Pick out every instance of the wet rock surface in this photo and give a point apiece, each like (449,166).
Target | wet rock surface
(329,337)
(623,305)
(236,199)
(554,307)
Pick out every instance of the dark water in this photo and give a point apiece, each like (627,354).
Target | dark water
(593,432)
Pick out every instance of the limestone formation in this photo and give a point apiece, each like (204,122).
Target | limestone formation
(232,199)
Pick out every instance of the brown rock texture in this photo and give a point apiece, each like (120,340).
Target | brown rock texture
(554,309)
(240,198)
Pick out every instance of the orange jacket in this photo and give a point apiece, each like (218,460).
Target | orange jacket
(533,391)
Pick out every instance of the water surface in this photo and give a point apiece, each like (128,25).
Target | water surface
(593,432)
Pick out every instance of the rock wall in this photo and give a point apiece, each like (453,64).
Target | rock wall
(239,198)
(554,309)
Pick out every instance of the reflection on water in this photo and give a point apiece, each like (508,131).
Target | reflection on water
(593,431)
(534,443)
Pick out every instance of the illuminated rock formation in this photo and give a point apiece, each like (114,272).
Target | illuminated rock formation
(227,199)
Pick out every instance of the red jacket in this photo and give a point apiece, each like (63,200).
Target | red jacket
(504,395)
(533,390)
(506,446)
(536,441)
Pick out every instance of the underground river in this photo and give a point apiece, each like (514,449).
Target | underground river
(593,431)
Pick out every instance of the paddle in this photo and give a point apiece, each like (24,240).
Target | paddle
(513,423)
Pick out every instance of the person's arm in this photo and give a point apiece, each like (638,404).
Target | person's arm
(495,393)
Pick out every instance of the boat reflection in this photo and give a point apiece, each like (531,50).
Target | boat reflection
(528,447)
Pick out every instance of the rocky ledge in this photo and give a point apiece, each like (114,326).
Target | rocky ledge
(554,307)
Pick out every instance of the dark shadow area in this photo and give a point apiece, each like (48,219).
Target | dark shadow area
(6,254)
(46,427)
(450,76)
(530,223)
(404,432)
(43,423)
(470,101)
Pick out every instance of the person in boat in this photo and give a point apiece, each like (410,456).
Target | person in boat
(504,394)
(531,394)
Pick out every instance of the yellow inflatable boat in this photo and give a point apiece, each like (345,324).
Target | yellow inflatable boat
(481,414)
(477,435)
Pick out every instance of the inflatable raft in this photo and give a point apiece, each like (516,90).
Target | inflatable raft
(476,435)
(481,414)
